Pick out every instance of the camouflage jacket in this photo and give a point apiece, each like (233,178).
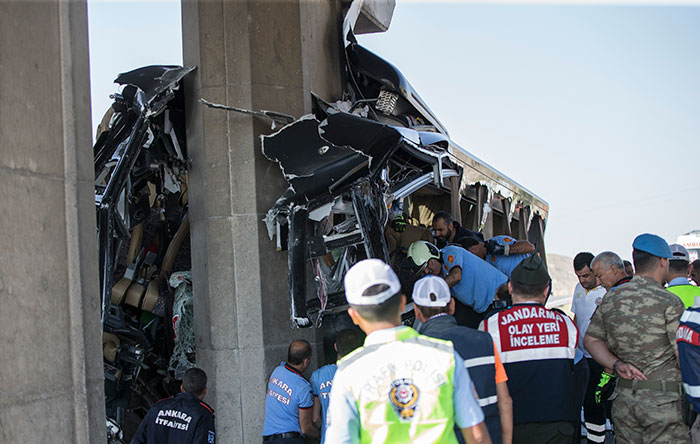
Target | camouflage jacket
(638,322)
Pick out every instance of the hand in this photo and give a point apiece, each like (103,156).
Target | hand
(494,248)
(626,370)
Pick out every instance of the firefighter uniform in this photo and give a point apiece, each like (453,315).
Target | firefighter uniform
(182,419)
(688,340)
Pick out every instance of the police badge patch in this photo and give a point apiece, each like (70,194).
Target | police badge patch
(404,396)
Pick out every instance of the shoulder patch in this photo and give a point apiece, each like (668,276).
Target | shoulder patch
(450,258)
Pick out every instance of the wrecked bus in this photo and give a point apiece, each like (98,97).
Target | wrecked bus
(349,162)
(351,165)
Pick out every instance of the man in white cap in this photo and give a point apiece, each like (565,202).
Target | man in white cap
(400,386)
(434,308)
(678,283)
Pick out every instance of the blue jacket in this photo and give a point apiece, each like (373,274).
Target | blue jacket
(476,348)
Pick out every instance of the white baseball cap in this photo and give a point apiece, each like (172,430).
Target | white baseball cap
(679,253)
(368,273)
(431,291)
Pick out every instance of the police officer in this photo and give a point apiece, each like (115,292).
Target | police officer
(473,282)
(321,379)
(688,340)
(434,307)
(289,401)
(633,335)
(678,283)
(182,419)
(400,386)
(537,346)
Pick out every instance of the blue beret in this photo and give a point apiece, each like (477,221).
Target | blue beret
(652,244)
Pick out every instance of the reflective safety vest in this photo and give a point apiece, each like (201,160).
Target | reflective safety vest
(404,389)
(537,347)
(688,340)
(686,292)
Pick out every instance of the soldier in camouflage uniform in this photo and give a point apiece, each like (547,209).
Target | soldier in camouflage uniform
(632,334)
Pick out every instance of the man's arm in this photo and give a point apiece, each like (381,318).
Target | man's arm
(600,352)
(505,410)
(306,423)
(317,412)
(343,419)
(477,434)
(521,247)
(142,433)
(454,276)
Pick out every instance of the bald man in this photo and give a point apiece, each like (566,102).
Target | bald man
(289,401)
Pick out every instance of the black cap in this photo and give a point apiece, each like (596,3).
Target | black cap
(530,271)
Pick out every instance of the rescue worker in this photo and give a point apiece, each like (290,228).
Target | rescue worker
(610,271)
(537,347)
(400,387)
(472,281)
(434,308)
(448,231)
(502,252)
(632,334)
(695,271)
(629,269)
(321,379)
(688,341)
(678,283)
(289,402)
(182,419)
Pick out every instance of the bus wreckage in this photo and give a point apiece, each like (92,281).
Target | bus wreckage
(352,163)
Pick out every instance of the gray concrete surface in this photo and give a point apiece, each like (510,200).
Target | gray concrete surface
(255,55)
(51,360)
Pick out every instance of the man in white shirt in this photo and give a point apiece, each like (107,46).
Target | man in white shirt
(587,296)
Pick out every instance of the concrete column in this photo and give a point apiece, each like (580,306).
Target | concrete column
(51,376)
(256,55)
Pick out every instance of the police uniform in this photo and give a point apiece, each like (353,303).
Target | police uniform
(477,288)
(638,322)
(537,347)
(686,291)
(477,350)
(688,340)
(321,384)
(182,419)
(399,387)
(287,392)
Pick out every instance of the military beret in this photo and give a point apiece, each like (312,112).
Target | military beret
(530,271)
(652,244)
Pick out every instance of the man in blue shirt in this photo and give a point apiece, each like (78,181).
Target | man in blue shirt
(289,402)
(472,281)
(322,379)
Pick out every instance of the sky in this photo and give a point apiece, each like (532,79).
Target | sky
(594,108)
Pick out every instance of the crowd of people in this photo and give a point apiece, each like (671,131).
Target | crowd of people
(486,360)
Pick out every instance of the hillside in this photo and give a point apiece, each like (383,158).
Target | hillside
(563,280)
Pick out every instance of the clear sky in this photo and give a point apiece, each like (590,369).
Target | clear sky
(594,108)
